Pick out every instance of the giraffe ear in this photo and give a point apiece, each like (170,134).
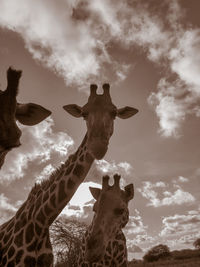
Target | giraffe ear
(129,191)
(95,192)
(31,114)
(126,112)
(74,110)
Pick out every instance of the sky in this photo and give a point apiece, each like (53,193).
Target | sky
(149,52)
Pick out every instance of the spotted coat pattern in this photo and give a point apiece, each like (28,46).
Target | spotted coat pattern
(115,254)
(24,240)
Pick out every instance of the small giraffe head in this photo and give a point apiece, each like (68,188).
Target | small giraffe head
(111,215)
(99,114)
(10,111)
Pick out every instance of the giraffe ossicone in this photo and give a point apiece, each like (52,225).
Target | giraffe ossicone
(24,239)
(104,243)
(10,111)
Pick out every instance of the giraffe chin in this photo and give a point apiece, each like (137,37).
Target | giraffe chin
(98,150)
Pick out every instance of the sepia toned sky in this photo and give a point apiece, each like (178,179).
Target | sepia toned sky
(149,52)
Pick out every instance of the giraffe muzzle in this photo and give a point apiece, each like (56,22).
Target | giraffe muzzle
(99,149)
(95,247)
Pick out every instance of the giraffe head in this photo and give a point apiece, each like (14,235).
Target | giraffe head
(111,215)
(10,111)
(99,114)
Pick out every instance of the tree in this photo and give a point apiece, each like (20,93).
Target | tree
(156,253)
(66,237)
(196,243)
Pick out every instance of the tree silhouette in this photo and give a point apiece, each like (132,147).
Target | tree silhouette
(156,253)
(66,237)
(196,243)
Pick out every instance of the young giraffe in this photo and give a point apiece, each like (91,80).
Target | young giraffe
(10,111)
(104,243)
(24,240)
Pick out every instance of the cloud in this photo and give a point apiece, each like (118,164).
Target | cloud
(81,204)
(45,173)
(40,144)
(70,37)
(133,248)
(135,224)
(179,97)
(178,197)
(6,209)
(111,167)
(104,167)
(73,38)
(183,179)
(182,225)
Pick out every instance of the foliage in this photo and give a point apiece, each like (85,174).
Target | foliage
(196,243)
(185,254)
(168,263)
(177,258)
(66,236)
(156,253)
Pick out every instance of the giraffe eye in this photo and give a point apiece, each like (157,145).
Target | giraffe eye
(118,211)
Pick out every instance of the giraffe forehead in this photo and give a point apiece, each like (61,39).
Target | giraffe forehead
(99,101)
(111,198)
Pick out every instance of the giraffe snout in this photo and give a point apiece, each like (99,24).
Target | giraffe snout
(95,247)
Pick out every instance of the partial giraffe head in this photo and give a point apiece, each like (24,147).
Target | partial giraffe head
(10,111)
(99,114)
(111,215)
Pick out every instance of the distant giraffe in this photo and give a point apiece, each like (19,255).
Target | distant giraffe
(24,240)
(10,111)
(104,243)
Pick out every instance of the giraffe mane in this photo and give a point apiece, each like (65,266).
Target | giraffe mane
(45,183)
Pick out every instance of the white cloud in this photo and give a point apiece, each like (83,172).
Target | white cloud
(186,59)
(183,179)
(70,37)
(112,167)
(73,37)
(135,224)
(80,206)
(181,224)
(4,204)
(40,144)
(132,248)
(45,173)
(51,35)
(177,98)
(136,232)
(178,197)
(6,209)
(104,167)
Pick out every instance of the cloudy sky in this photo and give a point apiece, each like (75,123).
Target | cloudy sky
(149,52)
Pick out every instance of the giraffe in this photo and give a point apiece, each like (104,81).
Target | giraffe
(104,243)
(24,239)
(10,111)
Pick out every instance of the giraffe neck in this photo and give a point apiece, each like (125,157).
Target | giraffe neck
(24,239)
(54,194)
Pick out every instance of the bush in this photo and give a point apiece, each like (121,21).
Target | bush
(66,238)
(156,253)
(185,254)
(196,243)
